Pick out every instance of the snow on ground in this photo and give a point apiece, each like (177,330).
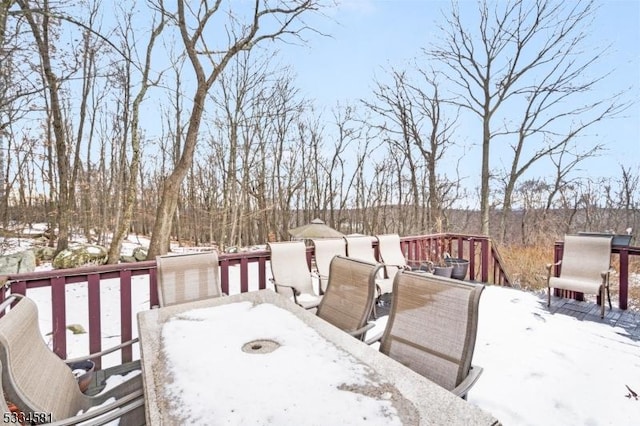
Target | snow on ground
(539,368)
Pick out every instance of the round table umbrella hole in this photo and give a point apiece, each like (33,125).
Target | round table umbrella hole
(260,346)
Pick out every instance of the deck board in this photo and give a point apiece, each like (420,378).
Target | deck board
(628,320)
(588,310)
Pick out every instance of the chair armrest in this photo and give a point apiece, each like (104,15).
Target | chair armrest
(605,274)
(404,266)
(106,413)
(373,339)
(320,277)
(551,265)
(101,353)
(464,386)
(9,300)
(296,292)
(362,330)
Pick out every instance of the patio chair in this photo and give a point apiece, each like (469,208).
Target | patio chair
(432,328)
(187,277)
(349,298)
(36,380)
(585,267)
(290,272)
(391,254)
(359,247)
(324,251)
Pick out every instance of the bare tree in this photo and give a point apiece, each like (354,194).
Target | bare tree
(130,179)
(526,56)
(4,13)
(267,21)
(340,180)
(630,198)
(41,27)
(413,119)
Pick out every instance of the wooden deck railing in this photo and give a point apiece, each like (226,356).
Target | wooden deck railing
(623,253)
(484,262)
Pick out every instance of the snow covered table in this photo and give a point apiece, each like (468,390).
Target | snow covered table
(257,358)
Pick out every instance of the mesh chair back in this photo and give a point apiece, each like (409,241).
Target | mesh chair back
(391,253)
(33,377)
(360,248)
(348,301)
(324,251)
(432,326)
(289,267)
(187,277)
(585,257)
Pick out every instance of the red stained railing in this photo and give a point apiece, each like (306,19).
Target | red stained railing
(483,263)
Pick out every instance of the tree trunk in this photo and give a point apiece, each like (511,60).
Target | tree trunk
(41,36)
(171,189)
(131,186)
(485,176)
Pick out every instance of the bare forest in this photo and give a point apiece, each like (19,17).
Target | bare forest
(181,120)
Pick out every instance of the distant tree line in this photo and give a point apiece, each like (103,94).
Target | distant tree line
(154,122)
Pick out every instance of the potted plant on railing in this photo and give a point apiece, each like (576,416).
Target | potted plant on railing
(441,263)
(460,267)
(450,267)
(440,267)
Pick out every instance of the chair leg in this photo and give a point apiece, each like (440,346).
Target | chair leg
(609,297)
(375,302)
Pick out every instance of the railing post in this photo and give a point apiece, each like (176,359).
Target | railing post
(95,326)
(486,251)
(262,273)
(125,314)
(623,278)
(224,275)
(244,275)
(558,250)
(472,259)
(153,287)
(59,316)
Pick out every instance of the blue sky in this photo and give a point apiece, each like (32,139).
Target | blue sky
(368,36)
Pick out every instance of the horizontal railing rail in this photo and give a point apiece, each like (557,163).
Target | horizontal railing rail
(623,253)
(252,275)
(484,260)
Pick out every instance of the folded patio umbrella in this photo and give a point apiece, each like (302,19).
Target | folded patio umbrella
(315,229)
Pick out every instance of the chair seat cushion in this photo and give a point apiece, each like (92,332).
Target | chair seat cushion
(575,284)
(308,301)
